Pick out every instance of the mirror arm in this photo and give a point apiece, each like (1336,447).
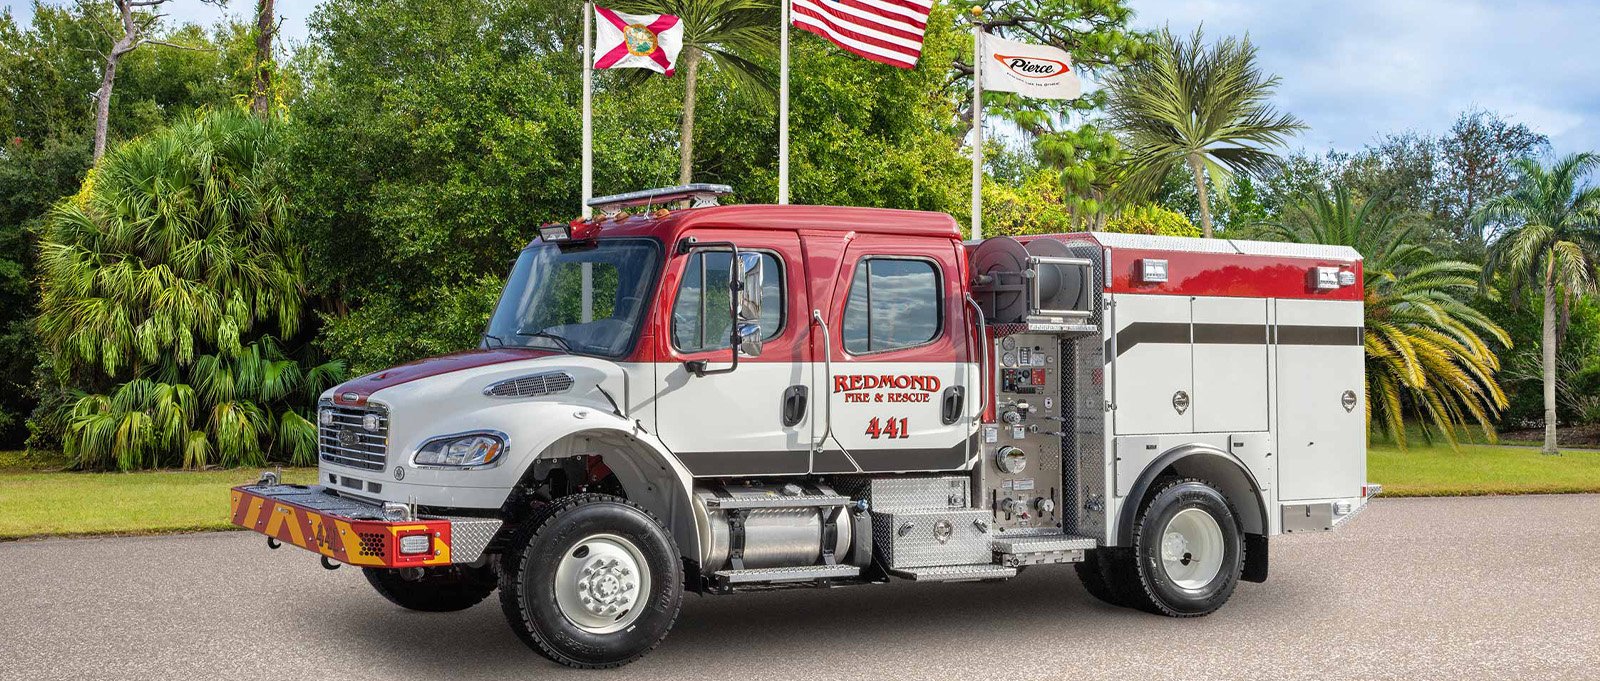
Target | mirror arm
(698,366)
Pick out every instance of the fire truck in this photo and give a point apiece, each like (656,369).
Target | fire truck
(678,395)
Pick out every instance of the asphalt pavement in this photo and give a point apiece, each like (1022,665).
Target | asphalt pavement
(1497,587)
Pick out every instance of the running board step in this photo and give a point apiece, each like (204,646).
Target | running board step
(1041,550)
(956,573)
(779,502)
(804,573)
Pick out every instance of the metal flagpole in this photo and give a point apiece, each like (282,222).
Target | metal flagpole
(977,125)
(588,108)
(587,286)
(783,106)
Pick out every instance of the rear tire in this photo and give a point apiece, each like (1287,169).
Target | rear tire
(592,581)
(1187,553)
(437,589)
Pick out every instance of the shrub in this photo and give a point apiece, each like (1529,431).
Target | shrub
(166,284)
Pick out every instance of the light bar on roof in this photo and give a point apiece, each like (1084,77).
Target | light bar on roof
(699,195)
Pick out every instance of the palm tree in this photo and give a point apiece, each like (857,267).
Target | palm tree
(162,284)
(1201,107)
(734,34)
(1552,243)
(1425,346)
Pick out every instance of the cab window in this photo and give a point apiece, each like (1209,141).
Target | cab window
(893,304)
(700,318)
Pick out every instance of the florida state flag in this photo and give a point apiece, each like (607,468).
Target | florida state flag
(636,41)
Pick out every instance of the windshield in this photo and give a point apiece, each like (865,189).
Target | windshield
(545,306)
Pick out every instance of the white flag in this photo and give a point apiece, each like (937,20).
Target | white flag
(1035,71)
(638,41)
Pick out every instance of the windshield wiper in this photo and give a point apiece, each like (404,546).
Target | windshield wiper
(564,343)
(497,340)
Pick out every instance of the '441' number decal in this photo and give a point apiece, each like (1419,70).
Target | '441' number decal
(893,428)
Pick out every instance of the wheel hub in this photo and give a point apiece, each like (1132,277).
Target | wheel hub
(1192,549)
(599,581)
(606,586)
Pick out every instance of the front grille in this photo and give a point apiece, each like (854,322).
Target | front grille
(534,385)
(345,442)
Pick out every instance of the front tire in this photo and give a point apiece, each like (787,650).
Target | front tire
(437,589)
(1187,553)
(592,581)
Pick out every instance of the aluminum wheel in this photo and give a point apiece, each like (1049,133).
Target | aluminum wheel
(1192,549)
(600,583)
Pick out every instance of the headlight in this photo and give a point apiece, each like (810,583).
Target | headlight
(466,449)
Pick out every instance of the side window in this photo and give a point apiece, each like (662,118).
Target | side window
(894,303)
(700,318)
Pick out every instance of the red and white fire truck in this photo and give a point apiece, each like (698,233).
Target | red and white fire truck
(680,395)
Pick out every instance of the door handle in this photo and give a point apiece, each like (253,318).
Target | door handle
(794,405)
(954,397)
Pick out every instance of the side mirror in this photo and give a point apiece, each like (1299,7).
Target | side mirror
(747,304)
(750,340)
(746,280)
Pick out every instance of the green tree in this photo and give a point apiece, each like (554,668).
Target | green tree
(1148,218)
(166,284)
(735,35)
(1550,242)
(1426,347)
(1202,107)
(49,70)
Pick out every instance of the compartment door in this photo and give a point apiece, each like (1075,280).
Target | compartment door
(1153,369)
(1322,435)
(1230,365)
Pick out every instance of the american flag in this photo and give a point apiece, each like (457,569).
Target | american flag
(887,31)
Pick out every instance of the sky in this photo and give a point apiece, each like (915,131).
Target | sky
(1353,70)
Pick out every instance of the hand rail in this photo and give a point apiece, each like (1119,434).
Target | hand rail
(983,369)
(827,395)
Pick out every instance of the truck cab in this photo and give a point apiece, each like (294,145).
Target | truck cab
(677,395)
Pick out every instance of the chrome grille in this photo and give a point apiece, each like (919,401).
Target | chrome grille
(346,443)
(532,385)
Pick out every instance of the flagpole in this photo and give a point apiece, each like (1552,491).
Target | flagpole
(783,106)
(587,276)
(977,124)
(588,108)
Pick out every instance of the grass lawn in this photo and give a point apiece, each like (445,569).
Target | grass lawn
(48,502)
(1480,469)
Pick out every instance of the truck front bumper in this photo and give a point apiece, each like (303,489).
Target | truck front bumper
(357,532)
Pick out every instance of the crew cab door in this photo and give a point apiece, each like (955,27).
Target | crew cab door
(757,419)
(898,379)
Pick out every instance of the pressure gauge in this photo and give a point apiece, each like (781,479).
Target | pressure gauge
(1008,343)
(1011,460)
(1009,359)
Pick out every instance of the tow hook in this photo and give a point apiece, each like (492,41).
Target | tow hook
(273,543)
(328,564)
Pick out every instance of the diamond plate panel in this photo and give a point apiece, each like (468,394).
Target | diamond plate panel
(910,539)
(908,492)
(470,536)
(957,573)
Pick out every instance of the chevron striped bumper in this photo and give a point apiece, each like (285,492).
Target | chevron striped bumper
(355,532)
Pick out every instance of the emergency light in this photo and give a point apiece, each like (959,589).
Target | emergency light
(575,231)
(698,195)
(415,543)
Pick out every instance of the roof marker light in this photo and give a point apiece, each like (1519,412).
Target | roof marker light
(1152,271)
